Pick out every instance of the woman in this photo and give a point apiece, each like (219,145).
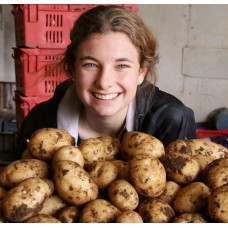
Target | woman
(111,55)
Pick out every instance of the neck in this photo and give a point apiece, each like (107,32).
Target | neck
(93,126)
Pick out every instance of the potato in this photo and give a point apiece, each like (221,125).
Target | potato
(26,154)
(2,218)
(68,214)
(135,142)
(112,146)
(147,175)
(2,193)
(190,218)
(99,211)
(170,192)
(216,173)
(42,218)
(180,168)
(153,210)
(191,198)
(92,150)
(203,160)
(218,204)
(70,153)
(129,217)
(73,183)
(26,199)
(208,148)
(180,146)
(123,169)
(45,141)
(123,195)
(19,170)
(103,172)
(52,205)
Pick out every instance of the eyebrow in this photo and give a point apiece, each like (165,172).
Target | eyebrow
(94,59)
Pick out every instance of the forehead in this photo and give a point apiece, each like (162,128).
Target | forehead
(111,43)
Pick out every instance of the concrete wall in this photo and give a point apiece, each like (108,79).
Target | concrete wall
(193,48)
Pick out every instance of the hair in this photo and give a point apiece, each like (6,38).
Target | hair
(105,18)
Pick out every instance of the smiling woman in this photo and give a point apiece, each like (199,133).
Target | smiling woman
(111,55)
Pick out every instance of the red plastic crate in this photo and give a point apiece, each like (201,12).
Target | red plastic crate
(24,105)
(45,25)
(48,25)
(37,71)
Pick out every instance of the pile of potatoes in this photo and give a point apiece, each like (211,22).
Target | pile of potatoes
(104,180)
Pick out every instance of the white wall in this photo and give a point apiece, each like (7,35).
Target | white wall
(193,45)
(193,48)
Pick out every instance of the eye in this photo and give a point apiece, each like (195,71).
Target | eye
(90,65)
(121,66)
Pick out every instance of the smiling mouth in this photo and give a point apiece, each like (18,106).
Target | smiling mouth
(110,96)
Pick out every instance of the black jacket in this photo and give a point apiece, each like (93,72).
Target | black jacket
(161,115)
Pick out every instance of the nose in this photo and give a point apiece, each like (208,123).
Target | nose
(105,78)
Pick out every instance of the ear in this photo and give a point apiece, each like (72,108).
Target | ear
(142,74)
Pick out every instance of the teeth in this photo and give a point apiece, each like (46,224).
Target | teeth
(105,97)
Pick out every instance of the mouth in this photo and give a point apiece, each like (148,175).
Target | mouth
(110,96)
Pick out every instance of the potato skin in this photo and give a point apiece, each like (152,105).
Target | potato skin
(99,211)
(204,147)
(42,218)
(135,142)
(216,173)
(218,204)
(22,169)
(73,183)
(170,192)
(191,198)
(180,168)
(52,205)
(153,210)
(70,153)
(190,218)
(147,175)
(44,149)
(103,172)
(129,217)
(68,214)
(26,199)
(123,195)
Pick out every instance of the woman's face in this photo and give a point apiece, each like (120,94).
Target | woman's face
(107,73)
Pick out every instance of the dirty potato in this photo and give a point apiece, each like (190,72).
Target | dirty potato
(99,211)
(218,204)
(123,169)
(52,205)
(26,199)
(180,168)
(21,169)
(147,175)
(123,195)
(208,148)
(103,172)
(170,192)
(135,142)
(216,173)
(45,141)
(73,183)
(153,210)
(191,198)
(129,217)
(70,153)
(42,218)
(190,218)
(68,214)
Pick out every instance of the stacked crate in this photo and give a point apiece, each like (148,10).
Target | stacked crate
(42,35)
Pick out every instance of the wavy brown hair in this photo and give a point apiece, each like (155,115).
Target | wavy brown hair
(105,18)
